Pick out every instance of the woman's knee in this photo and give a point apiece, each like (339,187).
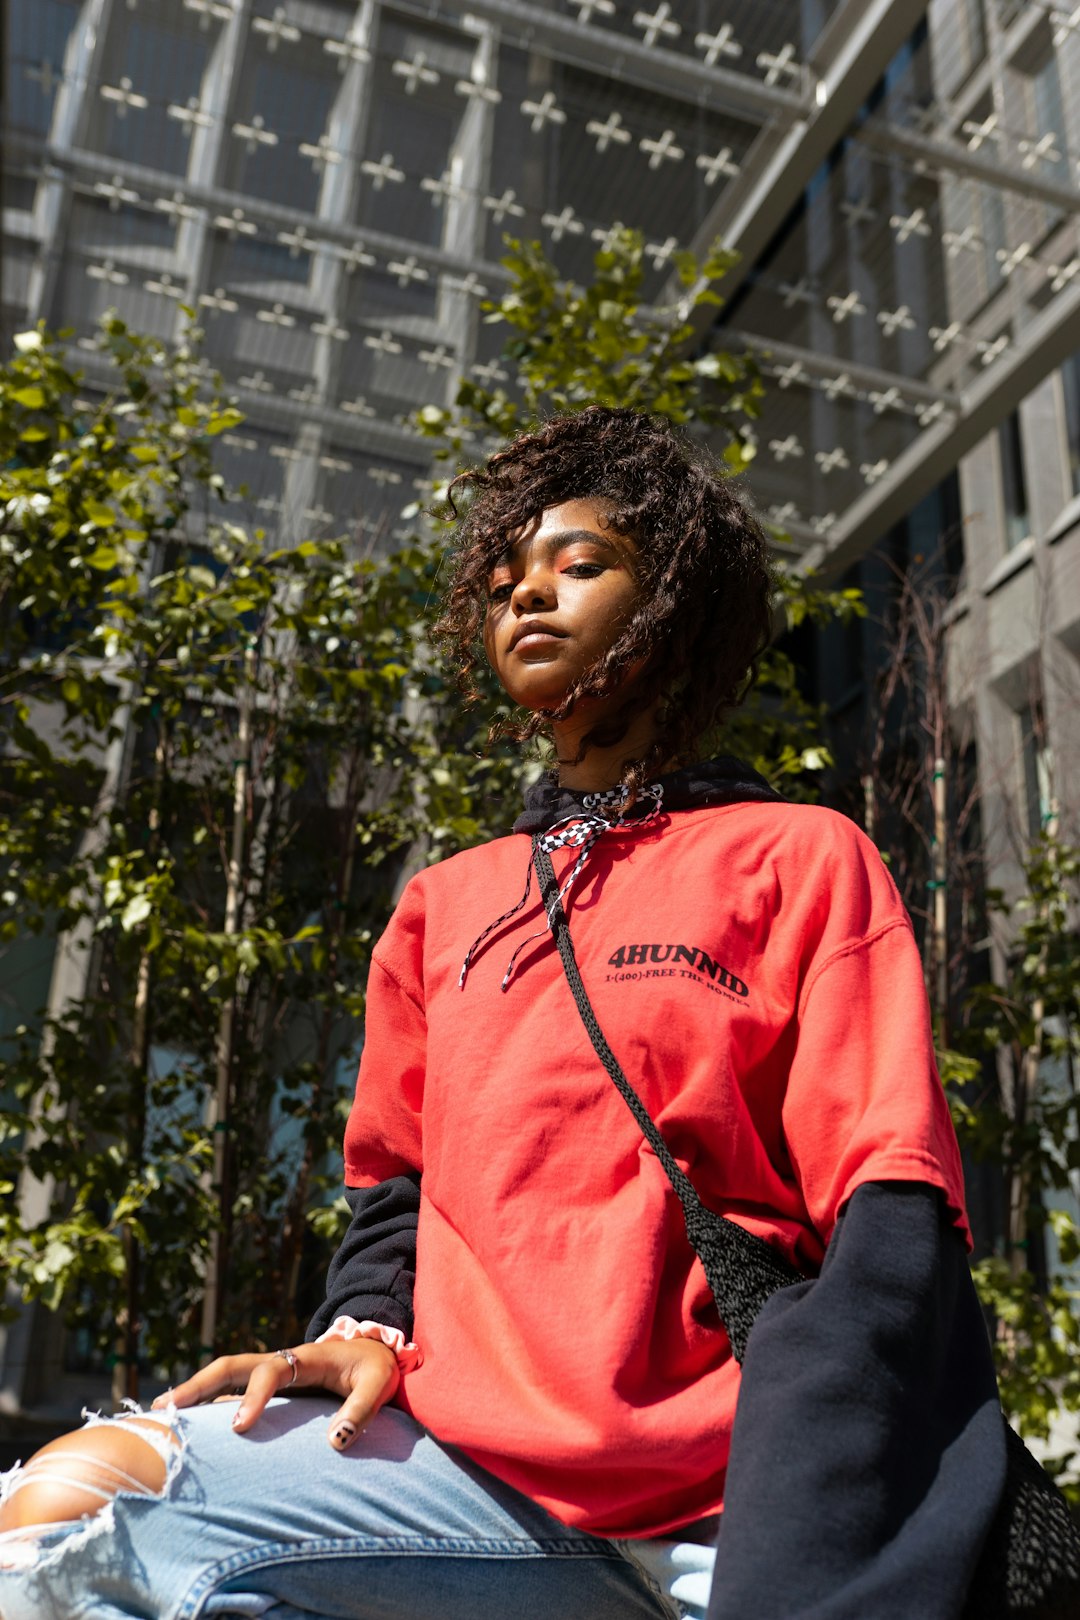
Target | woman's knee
(75,1476)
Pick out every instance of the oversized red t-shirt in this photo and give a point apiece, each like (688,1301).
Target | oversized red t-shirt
(755,972)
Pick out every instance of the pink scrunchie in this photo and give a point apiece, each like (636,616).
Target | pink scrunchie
(347,1327)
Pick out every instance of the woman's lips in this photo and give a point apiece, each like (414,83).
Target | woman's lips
(533,633)
(534,639)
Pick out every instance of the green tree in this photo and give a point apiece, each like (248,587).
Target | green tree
(1007,1044)
(1014,1075)
(212,753)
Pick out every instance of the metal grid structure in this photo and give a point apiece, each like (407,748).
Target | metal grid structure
(329,183)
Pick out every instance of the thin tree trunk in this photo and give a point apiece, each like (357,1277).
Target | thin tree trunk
(218,1113)
(293,1231)
(869,806)
(940,889)
(125,1381)
(1027,1088)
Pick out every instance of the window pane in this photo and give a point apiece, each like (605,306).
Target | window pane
(360,495)
(156,59)
(253,460)
(414,121)
(1070,382)
(1037,768)
(1013,485)
(38,33)
(1049,116)
(283,102)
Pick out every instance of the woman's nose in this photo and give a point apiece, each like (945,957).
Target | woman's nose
(533,591)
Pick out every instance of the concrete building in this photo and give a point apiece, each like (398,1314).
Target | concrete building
(329,182)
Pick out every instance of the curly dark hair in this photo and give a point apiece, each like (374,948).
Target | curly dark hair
(703,618)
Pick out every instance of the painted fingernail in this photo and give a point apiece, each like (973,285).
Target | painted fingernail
(343,1435)
(239,1416)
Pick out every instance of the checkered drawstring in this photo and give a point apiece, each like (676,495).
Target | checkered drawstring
(581,831)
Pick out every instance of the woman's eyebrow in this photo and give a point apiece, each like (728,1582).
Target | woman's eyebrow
(561,539)
(552,543)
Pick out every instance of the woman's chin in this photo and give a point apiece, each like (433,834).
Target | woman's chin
(541,697)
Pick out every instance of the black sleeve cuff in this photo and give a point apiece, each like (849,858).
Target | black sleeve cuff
(373,1273)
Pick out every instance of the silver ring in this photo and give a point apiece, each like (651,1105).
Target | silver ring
(290,1357)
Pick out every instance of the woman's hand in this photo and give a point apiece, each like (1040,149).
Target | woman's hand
(363,1371)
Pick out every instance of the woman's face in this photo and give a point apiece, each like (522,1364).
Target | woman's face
(558,599)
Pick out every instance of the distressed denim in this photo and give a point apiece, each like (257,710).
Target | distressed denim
(277,1524)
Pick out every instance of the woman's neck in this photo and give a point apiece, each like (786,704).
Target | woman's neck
(602,764)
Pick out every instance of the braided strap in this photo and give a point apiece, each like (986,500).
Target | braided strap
(742,1270)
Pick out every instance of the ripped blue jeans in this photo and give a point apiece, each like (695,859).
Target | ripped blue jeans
(277,1524)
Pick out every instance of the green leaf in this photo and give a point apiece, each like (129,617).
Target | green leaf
(738,456)
(135,912)
(222,421)
(98,515)
(33,397)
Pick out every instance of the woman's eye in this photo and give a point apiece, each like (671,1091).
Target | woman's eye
(500,593)
(583,570)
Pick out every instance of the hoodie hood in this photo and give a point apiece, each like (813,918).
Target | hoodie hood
(555,817)
(723,780)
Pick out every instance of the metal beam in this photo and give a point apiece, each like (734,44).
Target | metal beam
(371,436)
(927,151)
(847,61)
(83,56)
(818,364)
(619,57)
(1054,332)
(80,163)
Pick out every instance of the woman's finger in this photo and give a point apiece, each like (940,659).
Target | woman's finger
(219,1376)
(272,1375)
(374,1380)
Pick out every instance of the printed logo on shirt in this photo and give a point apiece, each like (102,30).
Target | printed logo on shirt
(636,962)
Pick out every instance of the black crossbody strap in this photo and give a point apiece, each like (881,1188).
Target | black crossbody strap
(742,1270)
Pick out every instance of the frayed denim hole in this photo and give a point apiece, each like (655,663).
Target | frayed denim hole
(39,1547)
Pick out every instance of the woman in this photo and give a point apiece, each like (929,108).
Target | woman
(558,1439)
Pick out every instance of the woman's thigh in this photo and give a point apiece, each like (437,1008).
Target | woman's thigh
(276,1523)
